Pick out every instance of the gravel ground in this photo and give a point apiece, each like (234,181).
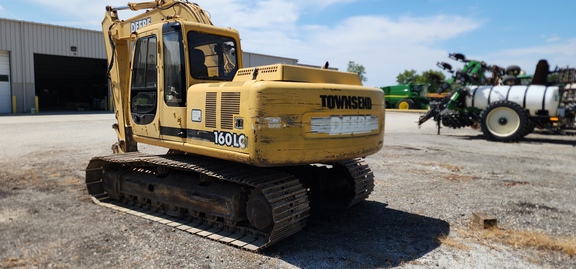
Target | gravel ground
(427,187)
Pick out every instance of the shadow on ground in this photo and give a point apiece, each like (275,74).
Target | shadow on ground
(367,235)
(548,139)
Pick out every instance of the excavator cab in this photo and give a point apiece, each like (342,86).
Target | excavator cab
(192,53)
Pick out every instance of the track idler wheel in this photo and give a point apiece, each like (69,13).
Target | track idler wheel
(259,211)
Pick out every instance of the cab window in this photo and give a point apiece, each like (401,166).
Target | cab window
(144,81)
(212,57)
(174,71)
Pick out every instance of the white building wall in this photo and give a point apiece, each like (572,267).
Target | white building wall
(255,59)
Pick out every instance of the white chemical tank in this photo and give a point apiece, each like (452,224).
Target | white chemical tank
(534,98)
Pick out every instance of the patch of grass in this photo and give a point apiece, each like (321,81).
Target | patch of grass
(453,243)
(525,239)
(533,239)
(13,262)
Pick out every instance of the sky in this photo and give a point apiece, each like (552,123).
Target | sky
(386,37)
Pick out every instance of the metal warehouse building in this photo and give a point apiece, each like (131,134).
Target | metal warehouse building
(54,68)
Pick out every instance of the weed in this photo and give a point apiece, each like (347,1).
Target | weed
(524,239)
(451,242)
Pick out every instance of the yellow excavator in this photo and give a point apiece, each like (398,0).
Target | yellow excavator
(250,151)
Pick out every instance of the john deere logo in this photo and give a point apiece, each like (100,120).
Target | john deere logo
(134,26)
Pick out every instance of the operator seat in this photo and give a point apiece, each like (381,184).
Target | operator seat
(197,66)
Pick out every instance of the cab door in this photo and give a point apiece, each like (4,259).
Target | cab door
(144,101)
(173,87)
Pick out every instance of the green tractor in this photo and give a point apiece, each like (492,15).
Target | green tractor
(406,96)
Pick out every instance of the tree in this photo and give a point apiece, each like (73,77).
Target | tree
(553,78)
(358,69)
(430,77)
(409,76)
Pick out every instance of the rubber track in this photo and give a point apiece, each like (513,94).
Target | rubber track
(286,195)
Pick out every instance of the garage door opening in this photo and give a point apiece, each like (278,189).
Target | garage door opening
(5,93)
(70,83)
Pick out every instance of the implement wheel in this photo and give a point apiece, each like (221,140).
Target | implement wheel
(504,121)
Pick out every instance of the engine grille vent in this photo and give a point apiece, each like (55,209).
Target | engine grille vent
(261,70)
(245,72)
(234,84)
(210,110)
(230,106)
(268,69)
